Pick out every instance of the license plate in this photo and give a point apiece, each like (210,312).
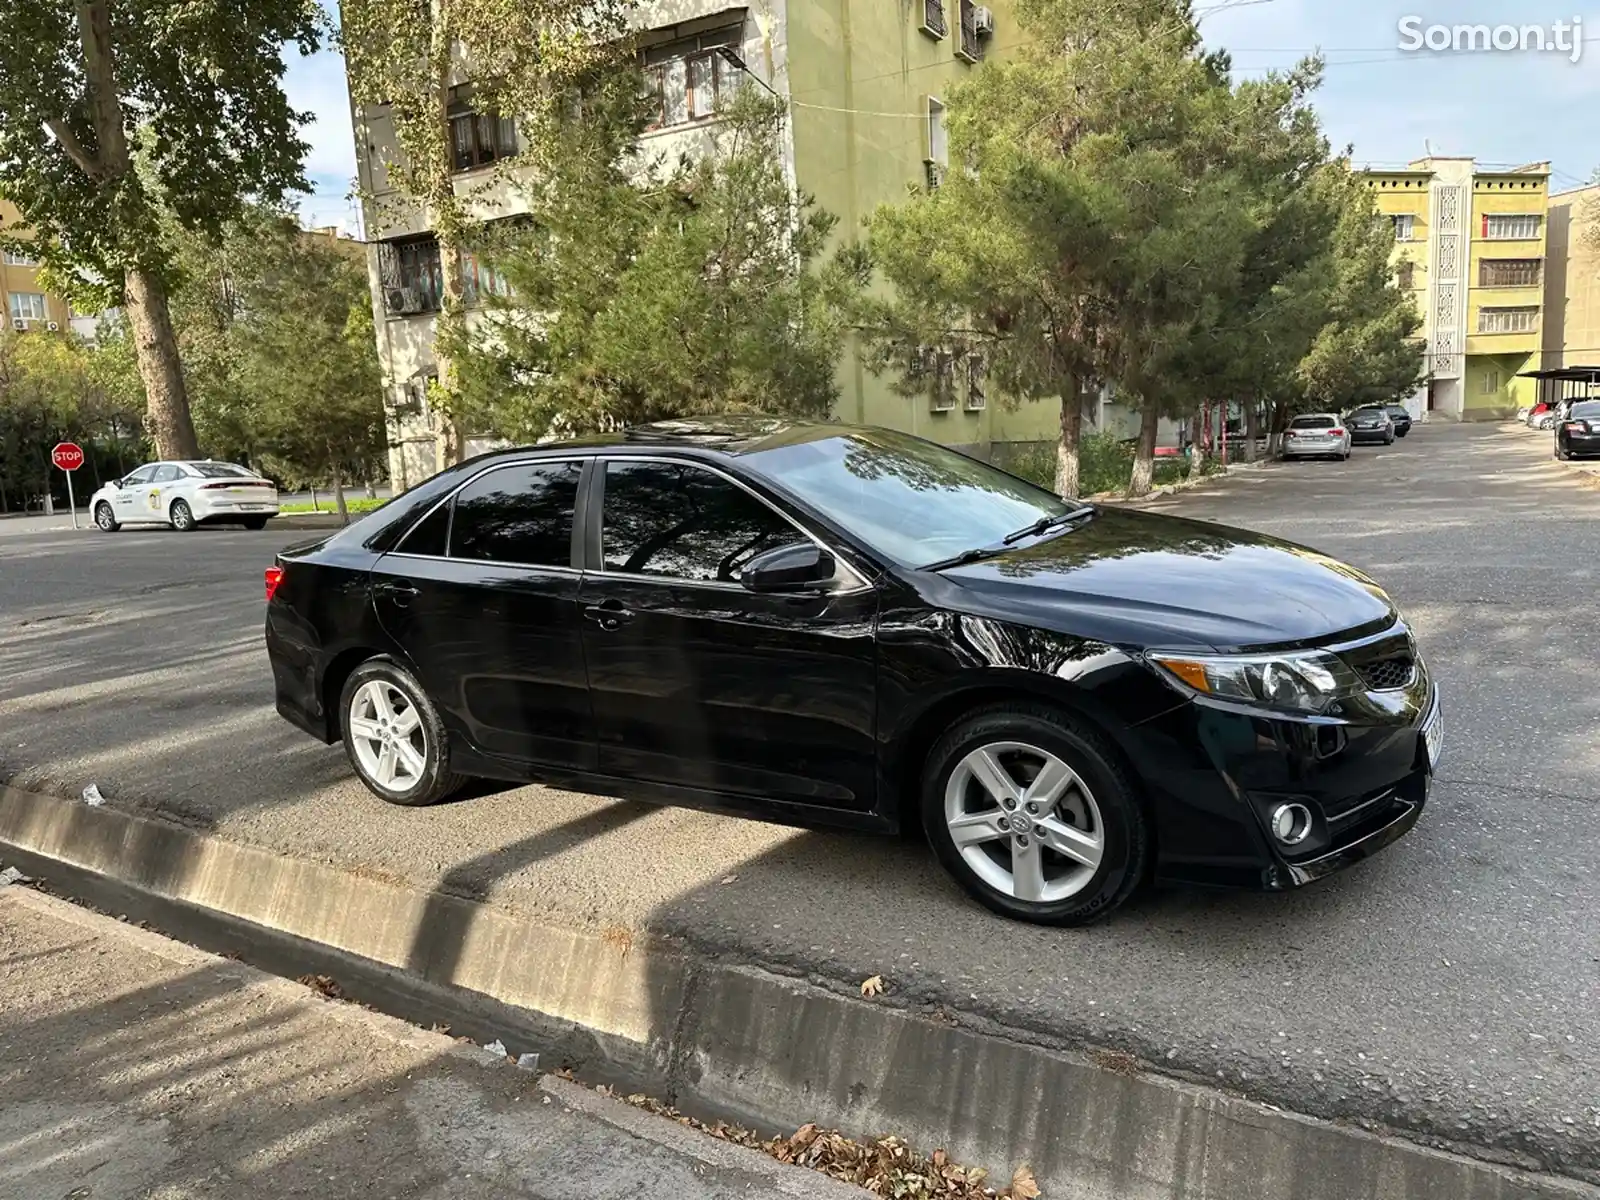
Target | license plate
(1433,733)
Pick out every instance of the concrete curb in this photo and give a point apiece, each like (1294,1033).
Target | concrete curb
(728,1040)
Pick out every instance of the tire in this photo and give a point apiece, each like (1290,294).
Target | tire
(105,518)
(182,517)
(1097,802)
(417,787)
(1562,452)
(254,523)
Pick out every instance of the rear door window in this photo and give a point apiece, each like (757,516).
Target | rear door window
(517,514)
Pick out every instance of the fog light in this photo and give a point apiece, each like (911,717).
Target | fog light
(1291,823)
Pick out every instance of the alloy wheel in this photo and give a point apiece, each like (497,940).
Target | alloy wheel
(1025,822)
(182,518)
(386,733)
(104,518)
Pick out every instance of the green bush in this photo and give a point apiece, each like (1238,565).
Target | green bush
(1105,463)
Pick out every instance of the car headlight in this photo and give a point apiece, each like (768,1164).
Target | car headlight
(1308,682)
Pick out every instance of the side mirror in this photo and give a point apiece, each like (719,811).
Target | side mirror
(799,567)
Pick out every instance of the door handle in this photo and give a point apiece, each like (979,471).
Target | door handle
(401,591)
(609,615)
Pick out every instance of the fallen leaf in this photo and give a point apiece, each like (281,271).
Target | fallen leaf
(729,878)
(940,1158)
(1023,1184)
(804,1136)
(873,986)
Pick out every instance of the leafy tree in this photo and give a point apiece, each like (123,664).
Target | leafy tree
(407,56)
(191,89)
(639,292)
(1367,350)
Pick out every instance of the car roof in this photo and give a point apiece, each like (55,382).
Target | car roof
(709,437)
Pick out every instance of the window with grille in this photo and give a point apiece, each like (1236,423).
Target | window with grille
(944,381)
(478,139)
(933,18)
(977,382)
(411,274)
(1491,383)
(690,79)
(1509,272)
(1508,320)
(1405,227)
(1509,228)
(969,32)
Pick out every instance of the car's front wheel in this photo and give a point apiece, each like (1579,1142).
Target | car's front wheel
(105,518)
(1031,812)
(394,736)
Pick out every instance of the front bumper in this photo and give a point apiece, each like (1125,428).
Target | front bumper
(1216,773)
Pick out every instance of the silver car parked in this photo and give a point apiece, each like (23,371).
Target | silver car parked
(1317,435)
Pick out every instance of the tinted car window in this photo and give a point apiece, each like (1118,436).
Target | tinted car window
(520,514)
(142,475)
(210,470)
(1587,409)
(166,473)
(1311,423)
(431,535)
(682,522)
(1369,412)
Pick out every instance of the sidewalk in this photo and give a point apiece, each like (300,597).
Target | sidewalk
(132,1066)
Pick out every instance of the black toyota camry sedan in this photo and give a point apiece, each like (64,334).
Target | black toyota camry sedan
(823,624)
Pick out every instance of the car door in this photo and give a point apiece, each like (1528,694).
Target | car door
(157,495)
(697,682)
(482,596)
(127,503)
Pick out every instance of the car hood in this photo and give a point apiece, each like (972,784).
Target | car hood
(1139,579)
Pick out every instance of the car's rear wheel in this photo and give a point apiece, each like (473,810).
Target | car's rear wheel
(1561,451)
(1031,812)
(182,517)
(394,737)
(254,522)
(105,518)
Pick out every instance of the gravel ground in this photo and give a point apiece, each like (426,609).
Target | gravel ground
(1448,987)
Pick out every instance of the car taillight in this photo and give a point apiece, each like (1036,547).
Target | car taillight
(1577,427)
(1335,433)
(274,578)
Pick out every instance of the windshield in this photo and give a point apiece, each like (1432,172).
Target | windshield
(1312,423)
(1587,409)
(912,501)
(1369,412)
(216,470)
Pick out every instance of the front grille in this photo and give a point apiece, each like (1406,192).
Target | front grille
(1388,674)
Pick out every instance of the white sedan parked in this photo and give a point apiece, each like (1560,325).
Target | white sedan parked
(1317,435)
(186,495)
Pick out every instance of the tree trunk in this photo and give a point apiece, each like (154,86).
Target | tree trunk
(1252,427)
(1067,447)
(1197,445)
(1280,421)
(157,346)
(338,499)
(1144,458)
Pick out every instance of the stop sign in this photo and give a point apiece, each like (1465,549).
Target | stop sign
(68,456)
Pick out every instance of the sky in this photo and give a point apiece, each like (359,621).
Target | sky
(1388,105)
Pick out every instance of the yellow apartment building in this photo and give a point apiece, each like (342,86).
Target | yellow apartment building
(24,304)
(1470,246)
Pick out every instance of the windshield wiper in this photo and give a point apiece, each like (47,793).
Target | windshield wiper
(1045,524)
(965,557)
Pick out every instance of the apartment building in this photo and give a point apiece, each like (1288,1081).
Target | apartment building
(24,304)
(864,83)
(1471,246)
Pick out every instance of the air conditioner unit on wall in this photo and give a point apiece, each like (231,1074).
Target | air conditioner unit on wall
(19,323)
(52,327)
(983,20)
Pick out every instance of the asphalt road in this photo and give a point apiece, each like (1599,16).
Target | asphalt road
(1449,986)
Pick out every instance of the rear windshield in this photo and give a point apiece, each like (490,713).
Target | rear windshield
(1312,423)
(1587,409)
(1369,412)
(220,471)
